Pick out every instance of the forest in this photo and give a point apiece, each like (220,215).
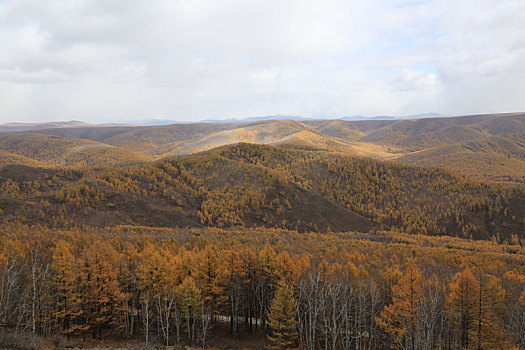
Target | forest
(258,246)
(258,185)
(217,288)
(262,175)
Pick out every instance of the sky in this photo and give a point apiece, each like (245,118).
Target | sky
(105,61)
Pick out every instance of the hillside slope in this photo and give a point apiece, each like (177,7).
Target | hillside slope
(493,153)
(44,150)
(8,158)
(162,141)
(491,158)
(417,134)
(258,185)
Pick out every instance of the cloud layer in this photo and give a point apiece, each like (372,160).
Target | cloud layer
(120,60)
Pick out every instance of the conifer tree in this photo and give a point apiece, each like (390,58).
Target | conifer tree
(209,277)
(191,304)
(400,319)
(69,300)
(490,327)
(461,306)
(282,319)
(105,299)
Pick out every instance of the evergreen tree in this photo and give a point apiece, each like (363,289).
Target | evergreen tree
(282,319)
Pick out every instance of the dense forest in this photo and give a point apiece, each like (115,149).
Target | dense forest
(233,288)
(257,185)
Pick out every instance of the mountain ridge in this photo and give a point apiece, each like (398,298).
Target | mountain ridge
(412,141)
(261,185)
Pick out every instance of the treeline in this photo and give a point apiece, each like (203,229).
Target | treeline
(207,286)
(256,185)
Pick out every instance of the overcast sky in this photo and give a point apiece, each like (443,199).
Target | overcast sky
(121,60)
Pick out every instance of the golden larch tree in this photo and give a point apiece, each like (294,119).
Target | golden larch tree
(460,308)
(66,279)
(490,308)
(400,319)
(282,319)
(191,304)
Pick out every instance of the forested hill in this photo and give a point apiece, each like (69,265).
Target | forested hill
(488,147)
(258,185)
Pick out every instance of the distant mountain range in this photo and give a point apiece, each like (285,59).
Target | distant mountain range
(489,146)
(45,125)
(159,122)
(280,117)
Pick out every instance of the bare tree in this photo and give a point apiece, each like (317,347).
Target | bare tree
(167,309)
(11,289)
(310,305)
(206,324)
(146,315)
(38,270)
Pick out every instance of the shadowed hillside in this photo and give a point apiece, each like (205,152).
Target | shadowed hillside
(257,185)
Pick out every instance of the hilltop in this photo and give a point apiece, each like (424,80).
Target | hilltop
(53,151)
(258,185)
(483,146)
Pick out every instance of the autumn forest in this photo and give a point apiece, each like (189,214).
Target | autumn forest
(365,236)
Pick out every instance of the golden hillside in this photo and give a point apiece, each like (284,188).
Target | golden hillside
(259,185)
(491,158)
(482,146)
(54,151)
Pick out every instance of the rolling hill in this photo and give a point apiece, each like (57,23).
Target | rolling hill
(259,185)
(491,158)
(43,150)
(482,146)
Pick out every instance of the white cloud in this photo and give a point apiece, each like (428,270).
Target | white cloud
(101,60)
(412,80)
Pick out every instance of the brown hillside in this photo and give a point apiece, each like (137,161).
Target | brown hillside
(259,185)
(437,141)
(44,150)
